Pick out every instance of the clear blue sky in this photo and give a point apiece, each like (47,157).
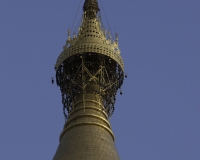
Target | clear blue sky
(158,115)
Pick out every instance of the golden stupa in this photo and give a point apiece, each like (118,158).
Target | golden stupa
(89,72)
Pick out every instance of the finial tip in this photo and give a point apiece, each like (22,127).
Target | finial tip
(91,8)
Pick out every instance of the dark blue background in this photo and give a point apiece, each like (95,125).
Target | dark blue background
(156,118)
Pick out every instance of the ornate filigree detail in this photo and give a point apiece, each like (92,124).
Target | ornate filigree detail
(89,73)
(90,63)
(91,38)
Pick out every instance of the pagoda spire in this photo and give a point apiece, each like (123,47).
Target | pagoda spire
(89,72)
(91,8)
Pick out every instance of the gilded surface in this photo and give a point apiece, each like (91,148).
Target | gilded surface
(91,38)
(87,134)
(89,72)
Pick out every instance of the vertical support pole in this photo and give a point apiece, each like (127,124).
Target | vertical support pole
(100,98)
(83,79)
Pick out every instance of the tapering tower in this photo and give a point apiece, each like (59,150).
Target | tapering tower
(89,72)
